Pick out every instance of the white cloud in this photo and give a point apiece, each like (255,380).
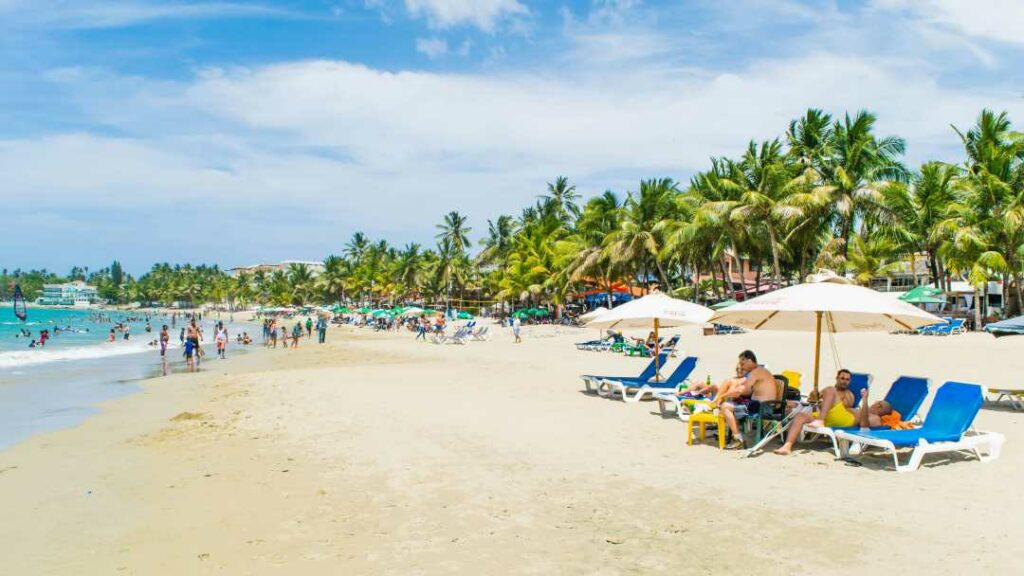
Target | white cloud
(118,13)
(1000,20)
(483,14)
(432,47)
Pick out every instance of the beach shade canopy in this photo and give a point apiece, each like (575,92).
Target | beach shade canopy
(592,315)
(379,313)
(654,310)
(365,310)
(464,315)
(836,307)
(723,304)
(412,311)
(524,313)
(1006,327)
(538,312)
(924,294)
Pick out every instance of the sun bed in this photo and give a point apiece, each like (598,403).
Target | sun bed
(594,383)
(946,428)
(723,330)
(644,388)
(481,335)
(1015,396)
(906,395)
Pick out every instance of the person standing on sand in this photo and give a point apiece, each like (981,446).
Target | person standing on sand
(165,339)
(221,338)
(309,327)
(296,334)
(321,329)
(516,327)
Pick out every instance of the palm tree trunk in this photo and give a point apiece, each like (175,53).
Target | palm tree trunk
(977,306)
(776,269)
(913,267)
(1019,292)
(933,267)
(727,278)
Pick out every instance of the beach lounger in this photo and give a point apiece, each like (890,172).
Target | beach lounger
(461,336)
(594,383)
(481,335)
(906,395)
(946,428)
(1016,397)
(643,388)
(725,330)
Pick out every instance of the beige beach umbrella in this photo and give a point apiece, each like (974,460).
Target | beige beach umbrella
(592,315)
(839,307)
(659,310)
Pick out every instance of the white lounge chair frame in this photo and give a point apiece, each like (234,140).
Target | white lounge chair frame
(975,441)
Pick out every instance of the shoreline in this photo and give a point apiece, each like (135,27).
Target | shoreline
(378,454)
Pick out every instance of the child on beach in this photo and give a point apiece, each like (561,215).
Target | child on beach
(221,338)
(165,339)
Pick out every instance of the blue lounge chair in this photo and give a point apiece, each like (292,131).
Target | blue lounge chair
(906,395)
(643,388)
(859,381)
(593,382)
(946,428)
(723,329)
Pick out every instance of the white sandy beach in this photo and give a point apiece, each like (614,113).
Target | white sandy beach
(376,454)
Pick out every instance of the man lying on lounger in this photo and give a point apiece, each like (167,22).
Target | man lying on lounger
(837,406)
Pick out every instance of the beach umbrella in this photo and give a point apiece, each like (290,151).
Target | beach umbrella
(723,304)
(915,295)
(1006,327)
(379,313)
(413,311)
(658,310)
(922,299)
(464,315)
(365,310)
(592,315)
(839,307)
(521,313)
(538,312)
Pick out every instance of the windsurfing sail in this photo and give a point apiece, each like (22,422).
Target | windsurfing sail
(19,304)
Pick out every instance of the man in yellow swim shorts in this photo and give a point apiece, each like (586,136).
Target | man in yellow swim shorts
(837,406)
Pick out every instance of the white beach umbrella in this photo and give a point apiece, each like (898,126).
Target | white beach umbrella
(658,309)
(412,311)
(842,308)
(592,315)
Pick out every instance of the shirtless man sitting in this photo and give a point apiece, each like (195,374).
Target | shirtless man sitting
(837,407)
(734,396)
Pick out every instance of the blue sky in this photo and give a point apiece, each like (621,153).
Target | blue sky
(236,132)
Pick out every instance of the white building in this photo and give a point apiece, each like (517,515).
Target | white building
(315,267)
(75,293)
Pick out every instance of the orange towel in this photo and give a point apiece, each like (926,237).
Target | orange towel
(892,420)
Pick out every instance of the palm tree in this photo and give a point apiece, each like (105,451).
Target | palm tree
(854,173)
(454,232)
(636,240)
(918,209)
(300,277)
(561,200)
(765,183)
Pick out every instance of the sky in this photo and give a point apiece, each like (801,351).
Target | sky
(234,132)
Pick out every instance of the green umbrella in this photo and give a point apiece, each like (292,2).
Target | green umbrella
(723,304)
(521,313)
(429,311)
(538,312)
(379,313)
(365,310)
(923,291)
(464,315)
(922,299)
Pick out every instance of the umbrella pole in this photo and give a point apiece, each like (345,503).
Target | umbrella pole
(817,350)
(657,351)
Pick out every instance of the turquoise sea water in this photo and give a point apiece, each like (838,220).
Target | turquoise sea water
(59,384)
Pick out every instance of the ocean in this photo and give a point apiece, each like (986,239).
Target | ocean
(59,385)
